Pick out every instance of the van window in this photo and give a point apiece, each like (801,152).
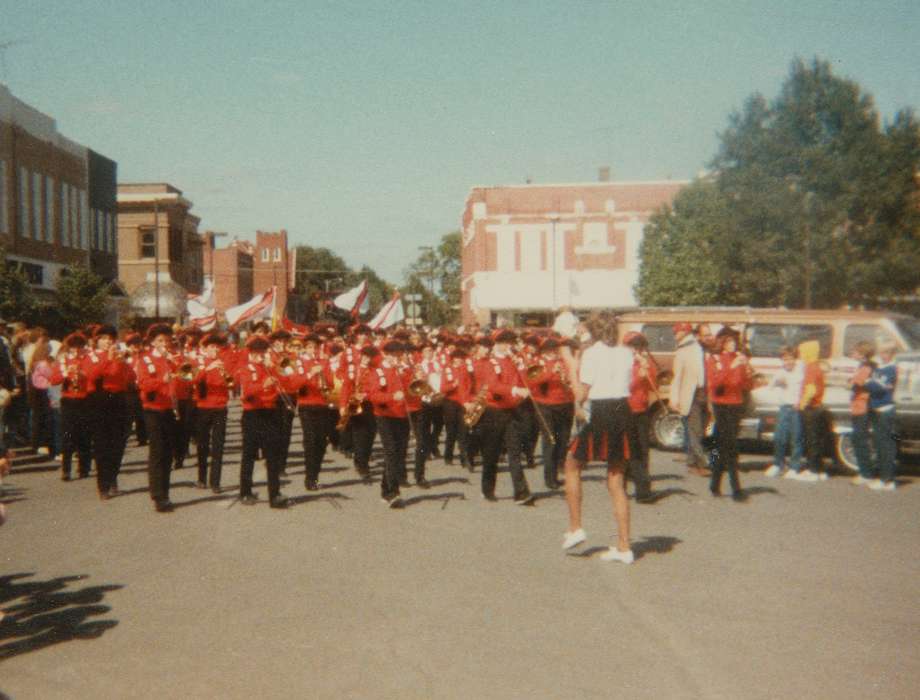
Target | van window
(910,329)
(766,339)
(660,337)
(863,332)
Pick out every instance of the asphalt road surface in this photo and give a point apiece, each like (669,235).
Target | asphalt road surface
(806,591)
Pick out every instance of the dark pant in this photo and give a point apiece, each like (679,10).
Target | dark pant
(185,428)
(161,446)
(886,445)
(499,429)
(437,425)
(76,434)
(287,427)
(109,433)
(210,434)
(421,426)
(394,437)
(813,428)
(314,423)
(728,420)
(40,426)
(860,437)
(559,418)
(529,429)
(135,412)
(363,430)
(455,432)
(638,453)
(695,430)
(261,429)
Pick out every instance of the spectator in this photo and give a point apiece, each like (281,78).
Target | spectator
(881,387)
(788,434)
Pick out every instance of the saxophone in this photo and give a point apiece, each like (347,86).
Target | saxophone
(472,414)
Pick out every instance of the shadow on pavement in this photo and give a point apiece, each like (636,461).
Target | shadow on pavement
(665,477)
(48,614)
(662,494)
(11,494)
(331,497)
(445,498)
(656,544)
(203,499)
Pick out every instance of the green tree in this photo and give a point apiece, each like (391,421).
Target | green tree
(80,297)
(435,274)
(822,201)
(17,299)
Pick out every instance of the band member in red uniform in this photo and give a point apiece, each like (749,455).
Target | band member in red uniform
(213,383)
(500,424)
(728,376)
(314,382)
(553,394)
(186,362)
(419,419)
(530,423)
(76,427)
(109,374)
(456,385)
(155,380)
(644,381)
(282,364)
(355,405)
(134,345)
(386,389)
(259,390)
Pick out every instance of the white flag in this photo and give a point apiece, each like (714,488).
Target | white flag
(260,306)
(200,308)
(354,300)
(389,315)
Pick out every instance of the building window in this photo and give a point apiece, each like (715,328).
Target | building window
(113,232)
(24,205)
(97,230)
(49,209)
(38,231)
(265,255)
(4,199)
(64,221)
(148,243)
(277,254)
(84,221)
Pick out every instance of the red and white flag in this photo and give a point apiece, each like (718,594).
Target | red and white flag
(354,300)
(260,306)
(391,313)
(200,308)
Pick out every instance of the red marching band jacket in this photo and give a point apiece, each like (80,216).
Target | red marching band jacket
(154,381)
(547,387)
(212,390)
(68,371)
(457,383)
(309,384)
(499,376)
(382,383)
(727,383)
(254,394)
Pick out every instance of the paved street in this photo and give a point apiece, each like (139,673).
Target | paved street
(808,590)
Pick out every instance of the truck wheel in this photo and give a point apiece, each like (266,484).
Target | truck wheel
(668,429)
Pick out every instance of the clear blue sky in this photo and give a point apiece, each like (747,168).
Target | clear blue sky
(361,126)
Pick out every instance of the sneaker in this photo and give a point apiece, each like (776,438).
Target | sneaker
(824,476)
(792,474)
(524,500)
(808,476)
(879,485)
(773,471)
(573,539)
(395,502)
(614,554)
(860,481)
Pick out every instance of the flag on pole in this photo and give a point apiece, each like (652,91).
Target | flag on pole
(259,306)
(294,328)
(200,308)
(354,300)
(390,314)
(275,312)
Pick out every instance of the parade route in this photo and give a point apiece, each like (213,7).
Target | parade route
(807,590)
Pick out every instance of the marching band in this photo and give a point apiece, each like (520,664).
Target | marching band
(492,395)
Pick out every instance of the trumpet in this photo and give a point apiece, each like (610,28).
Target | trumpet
(534,371)
(472,414)
(187,371)
(421,389)
(354,407)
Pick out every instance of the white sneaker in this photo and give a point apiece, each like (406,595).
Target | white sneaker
(791,474)
(773,471)
(572,539)
(806,475)
(860,481)
(879,485)
(614,554)
(824,476)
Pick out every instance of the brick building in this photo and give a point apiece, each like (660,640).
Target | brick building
(157,233)
(530,249)
(231,270)
(57,198)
